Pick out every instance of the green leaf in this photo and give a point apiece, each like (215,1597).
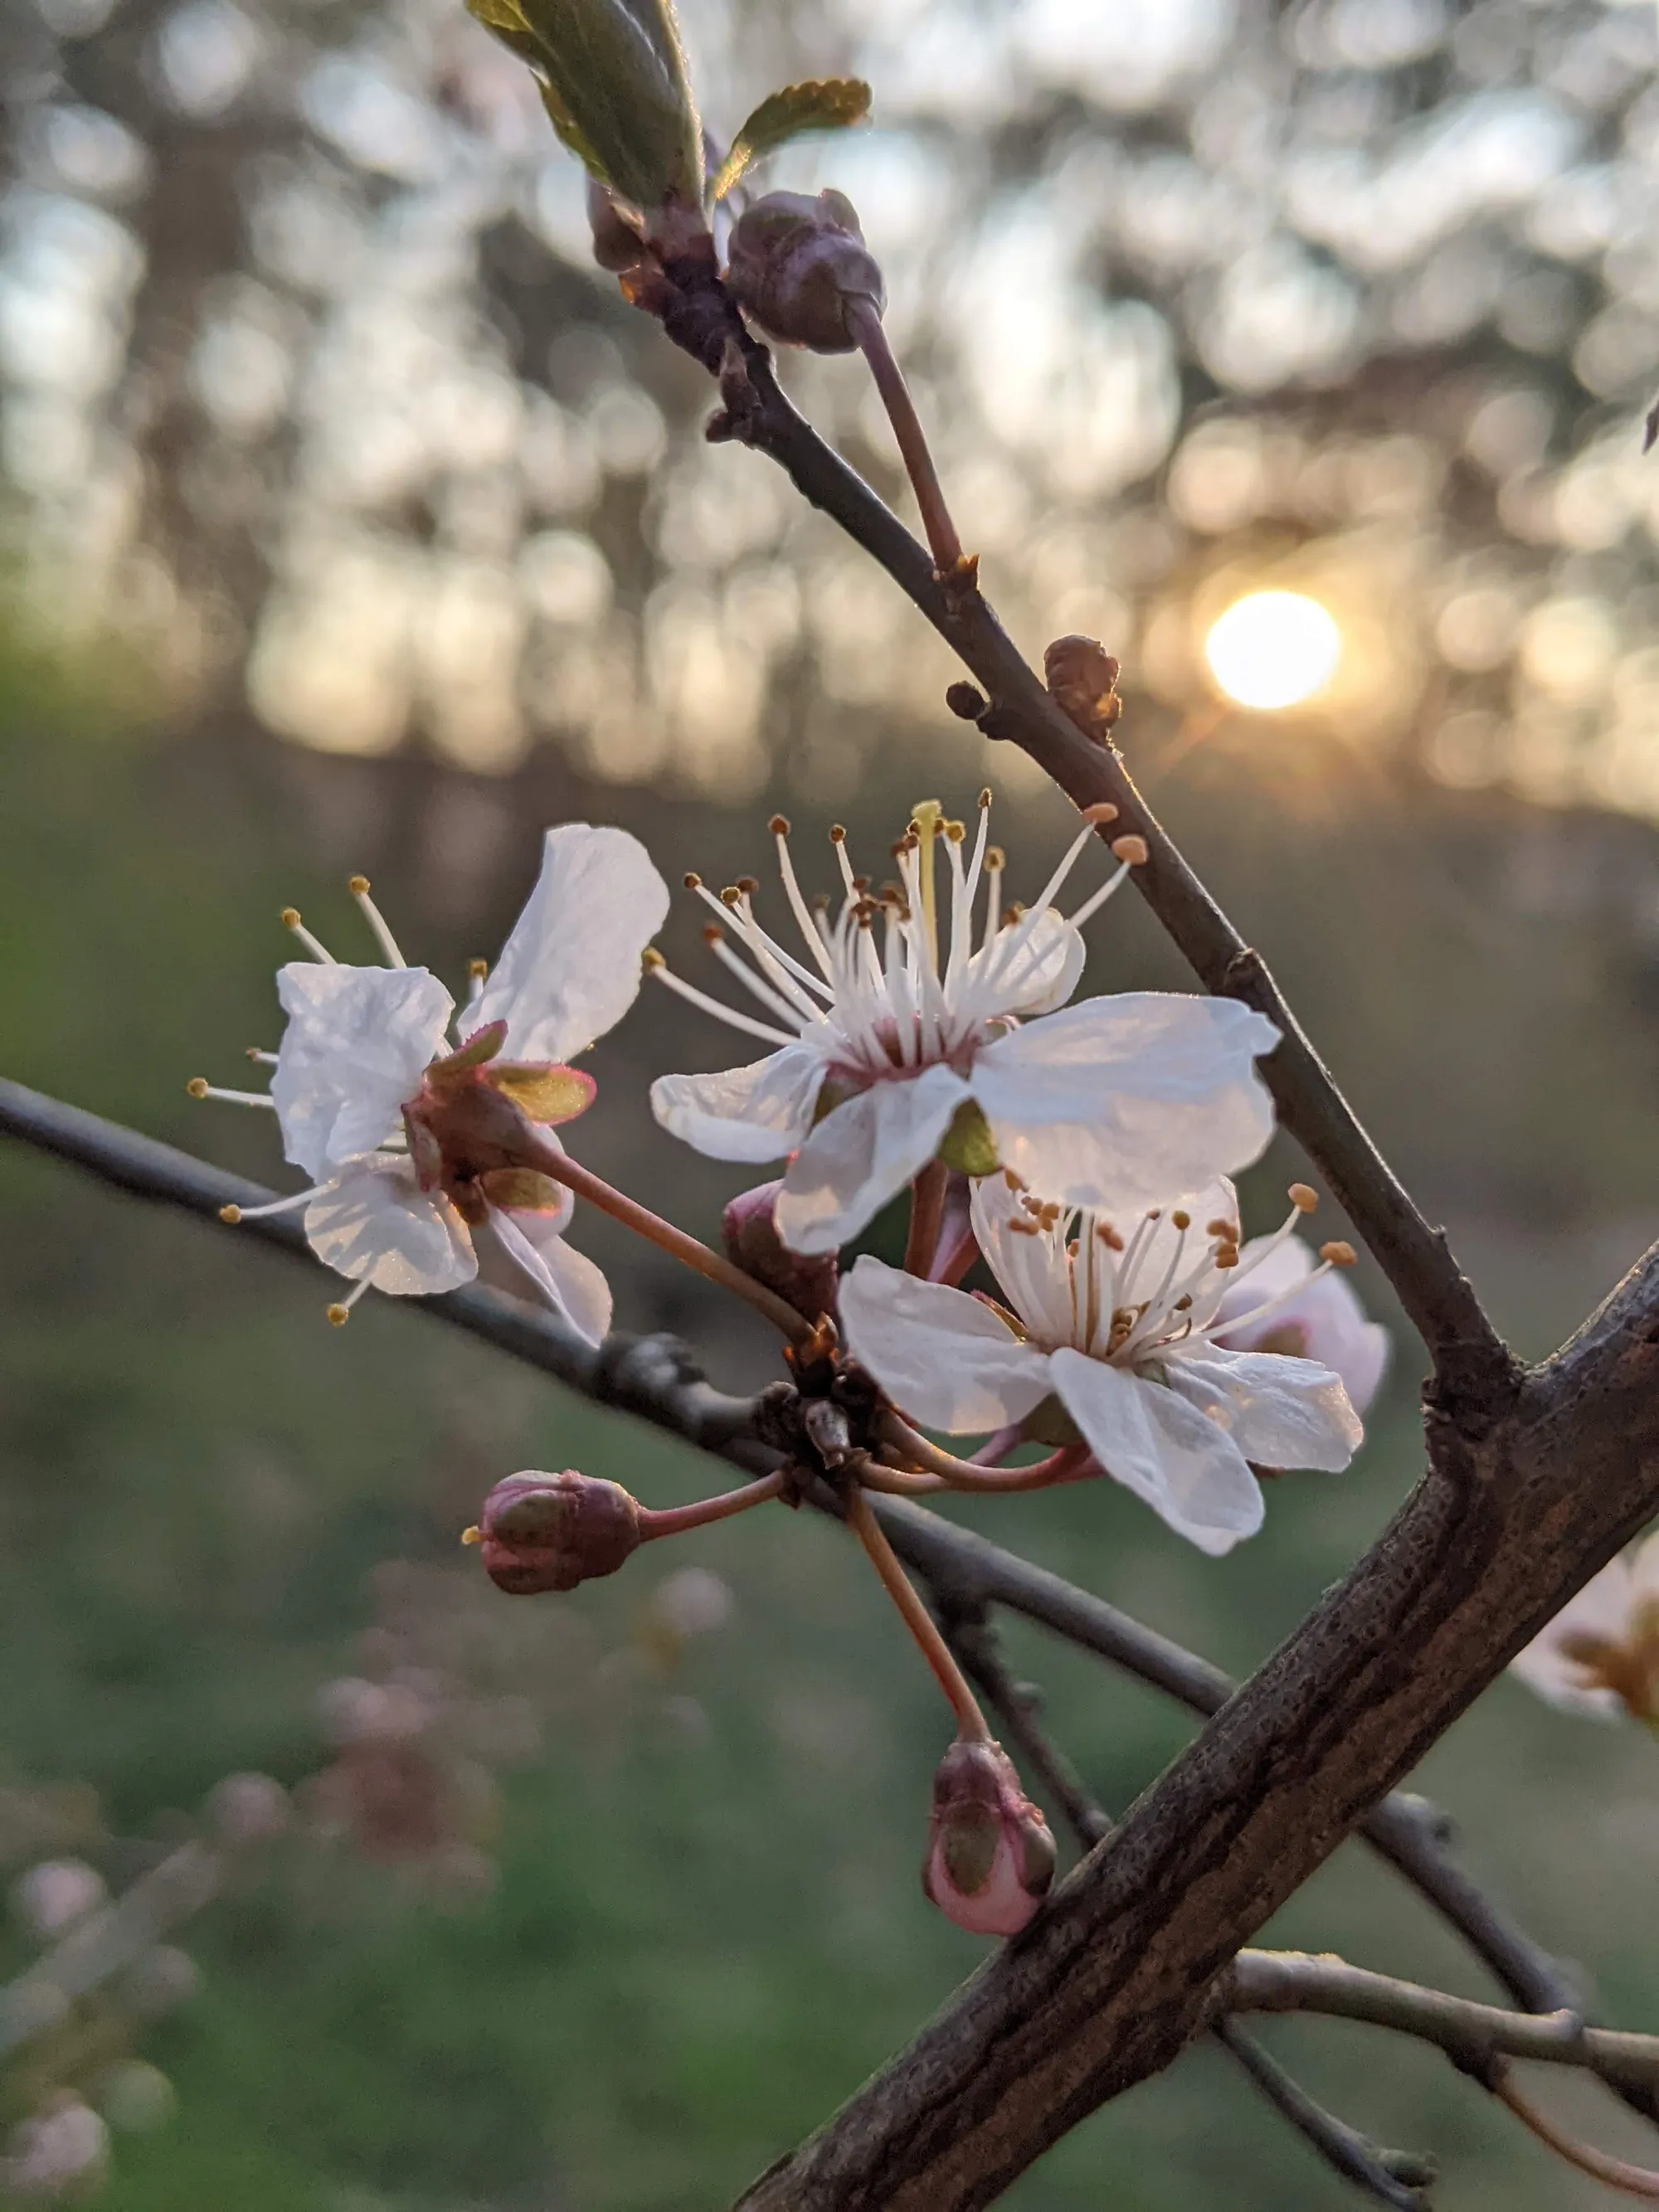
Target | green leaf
(613,83)
(822,104)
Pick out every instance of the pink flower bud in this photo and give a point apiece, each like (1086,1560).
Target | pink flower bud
(550,1532)
(749,1232)
(796,263)
(990,1856)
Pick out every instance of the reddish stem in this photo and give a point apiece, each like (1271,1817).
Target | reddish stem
(1069,1464)
(663,1234)
(970,1722)
(674,1519)
(866,326)
(926,1217)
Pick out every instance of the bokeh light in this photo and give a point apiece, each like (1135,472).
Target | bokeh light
(1273,649)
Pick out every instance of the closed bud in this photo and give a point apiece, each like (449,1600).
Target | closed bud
(550,1532)
(749,1232)
(990,1856)
(798,264)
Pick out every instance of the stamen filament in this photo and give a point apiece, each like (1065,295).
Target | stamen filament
(314,947)
(199,1087)
(376,921)
(690,993)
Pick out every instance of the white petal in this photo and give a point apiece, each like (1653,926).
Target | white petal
(571,969)
(755,1113)
(1644,1567)
(1602,1609)
(944,1356)
(375,1223)
(1187,1470)
(357,1042)
(1325,1323)
(1280,1412)
(862,1154)
(1126,1103)
(1046,973)
(570,1282)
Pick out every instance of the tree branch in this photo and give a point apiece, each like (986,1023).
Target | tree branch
(1524,1520)
(1526,1498)
(1476,2038)
(1394,2178)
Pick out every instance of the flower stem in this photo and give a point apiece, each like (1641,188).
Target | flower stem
(674,1519)
(927,1218)
(1066,1465)
(970,1722)
(689,1250)
(866,326)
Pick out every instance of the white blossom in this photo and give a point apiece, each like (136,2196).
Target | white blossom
(1314,1315)
(1110,1337)
(900,1035)
(373,1059)
(1600,1654)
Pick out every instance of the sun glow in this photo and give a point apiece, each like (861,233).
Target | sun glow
(1273,649)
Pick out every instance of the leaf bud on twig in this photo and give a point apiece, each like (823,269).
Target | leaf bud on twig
(798,265)
(990,1856)
(550,1532)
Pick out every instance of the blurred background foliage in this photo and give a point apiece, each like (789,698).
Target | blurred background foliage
(350,521)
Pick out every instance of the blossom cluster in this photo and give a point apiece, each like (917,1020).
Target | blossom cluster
(1076,1275)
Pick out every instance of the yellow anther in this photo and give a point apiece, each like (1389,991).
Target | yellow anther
(338,1316)
(358,887)
(731,895)
(1181,1218)
(1339,1254)
(290,917)
(778,825)
(252,1052)
(749,885)
(1304,1198)
(477,970)
(712,933)
(198,1086)
(1108,1236)
(985,799)
(651,960)
(1132,850)
(472,1535)
(1226,1231)
(230,1215)
(1227,1256)
(995,858)
(957,832)
(692,880)
(837,835)
(1102,811)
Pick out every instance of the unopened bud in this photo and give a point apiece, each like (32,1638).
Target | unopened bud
(798,263)
(550,1532)
(990,1856)
(750,1235)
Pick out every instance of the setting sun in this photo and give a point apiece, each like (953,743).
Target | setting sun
(1273,649)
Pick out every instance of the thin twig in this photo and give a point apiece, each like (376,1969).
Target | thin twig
(1415,1257)
(1473,2036)
(1615,2172)
(654,1378)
